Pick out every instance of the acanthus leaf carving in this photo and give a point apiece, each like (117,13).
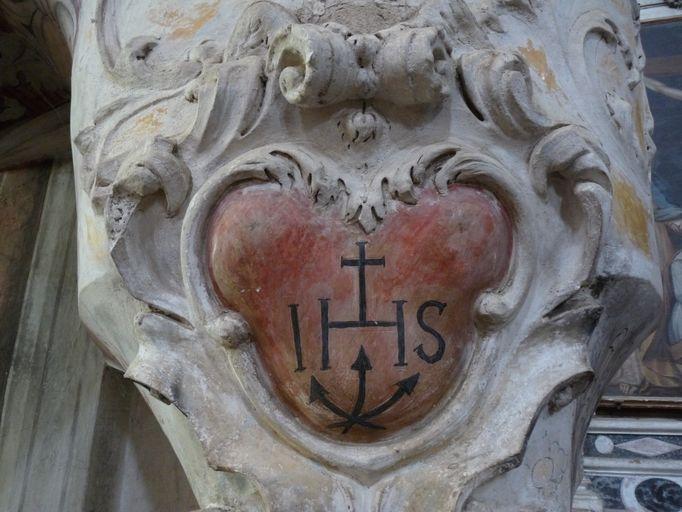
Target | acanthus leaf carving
(229,98)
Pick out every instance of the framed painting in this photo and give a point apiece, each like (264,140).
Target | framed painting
(651,378)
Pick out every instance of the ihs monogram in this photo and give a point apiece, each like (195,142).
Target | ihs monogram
(362,363)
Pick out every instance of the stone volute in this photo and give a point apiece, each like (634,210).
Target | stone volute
(376,256)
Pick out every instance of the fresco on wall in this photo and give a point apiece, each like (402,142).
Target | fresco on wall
(655,369)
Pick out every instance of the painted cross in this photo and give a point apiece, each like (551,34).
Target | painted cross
(363,364)
(301,275)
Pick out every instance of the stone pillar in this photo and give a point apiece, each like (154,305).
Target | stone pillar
(378,255)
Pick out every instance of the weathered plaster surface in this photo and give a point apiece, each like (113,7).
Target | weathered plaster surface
(485,149)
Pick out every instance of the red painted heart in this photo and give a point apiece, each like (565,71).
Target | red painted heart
(359,334)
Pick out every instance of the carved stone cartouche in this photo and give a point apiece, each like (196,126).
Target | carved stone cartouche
(383,256)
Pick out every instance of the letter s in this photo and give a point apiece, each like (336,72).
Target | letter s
(438,354)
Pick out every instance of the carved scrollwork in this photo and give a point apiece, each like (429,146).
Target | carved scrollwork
(497,86)
(411,64)
(360,120)
(614,62)
(572,153)
(319,66)
(407,65)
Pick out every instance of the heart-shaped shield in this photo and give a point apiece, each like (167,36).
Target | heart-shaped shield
(359,334)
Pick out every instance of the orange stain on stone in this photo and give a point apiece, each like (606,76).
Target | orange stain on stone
(150,122)
(274,255)
(639,124)
(537,59)
(97,240)
(184,24)
(631,216)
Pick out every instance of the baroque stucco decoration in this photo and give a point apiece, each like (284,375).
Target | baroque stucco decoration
(252,175)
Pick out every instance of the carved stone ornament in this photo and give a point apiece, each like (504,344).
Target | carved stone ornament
(381,255)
